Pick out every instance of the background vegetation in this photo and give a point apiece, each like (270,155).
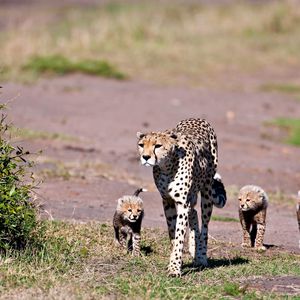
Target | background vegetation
(19,223)
(190,43)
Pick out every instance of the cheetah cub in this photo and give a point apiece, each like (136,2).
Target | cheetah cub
(253,202)
(127,222)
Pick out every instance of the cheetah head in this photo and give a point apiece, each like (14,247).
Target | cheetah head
(131,208)
(250,200)
(155,147)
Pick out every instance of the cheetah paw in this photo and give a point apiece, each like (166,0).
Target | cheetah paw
(246,245)
(203,261)
(200,263)
(136,253)
(174,272)
(260,248)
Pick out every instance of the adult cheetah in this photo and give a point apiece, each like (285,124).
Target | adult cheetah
(184,162)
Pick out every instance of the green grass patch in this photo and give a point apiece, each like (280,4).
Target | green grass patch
(224,219)
(232,289)
(282,88)
(292,126)
(31,134)
(81,261)
(58,64)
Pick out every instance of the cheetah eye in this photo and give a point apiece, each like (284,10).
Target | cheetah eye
(240,199)
(130,210)
(157,146)
(247,200)
(139,210)
(141,145)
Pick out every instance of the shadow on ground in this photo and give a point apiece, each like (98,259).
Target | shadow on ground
(215,263)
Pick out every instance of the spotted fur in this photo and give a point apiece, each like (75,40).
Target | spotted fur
(253,203)
(184,162)
(127,222)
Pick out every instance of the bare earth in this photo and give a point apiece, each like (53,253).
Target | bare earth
(98,120)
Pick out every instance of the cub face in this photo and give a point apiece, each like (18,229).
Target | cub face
(154,147)
(131,210)
(250,200)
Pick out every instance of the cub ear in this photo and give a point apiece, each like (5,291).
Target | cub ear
(140,135)
(174,136)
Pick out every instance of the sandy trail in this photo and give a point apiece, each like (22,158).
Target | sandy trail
(97,121)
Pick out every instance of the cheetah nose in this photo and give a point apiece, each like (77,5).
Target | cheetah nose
(242,205)
(146,157)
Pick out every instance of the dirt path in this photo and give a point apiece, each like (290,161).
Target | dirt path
(96,121)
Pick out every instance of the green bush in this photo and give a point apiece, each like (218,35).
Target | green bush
(18,214)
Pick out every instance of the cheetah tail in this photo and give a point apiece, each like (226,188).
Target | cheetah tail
(219,192)
(138,191)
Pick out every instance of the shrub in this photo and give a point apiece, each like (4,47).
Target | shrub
(18,213)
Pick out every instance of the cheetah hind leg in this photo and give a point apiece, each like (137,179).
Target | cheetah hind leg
(194,237)
(206,211)
(260,237)
(123,237)
(171,215)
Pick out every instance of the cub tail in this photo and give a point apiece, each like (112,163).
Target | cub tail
(138,191)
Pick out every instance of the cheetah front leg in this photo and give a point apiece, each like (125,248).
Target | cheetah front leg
(117,236)
(123,237)
(175,264)
(136,241)
(246,231)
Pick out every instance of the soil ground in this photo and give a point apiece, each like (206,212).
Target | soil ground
(94,160)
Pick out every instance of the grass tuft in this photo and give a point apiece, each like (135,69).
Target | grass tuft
(292,126)
(58,64)
(30,134)
(287,88)
(224,219)
(231,289)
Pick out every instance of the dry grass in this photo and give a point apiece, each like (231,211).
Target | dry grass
(176,43)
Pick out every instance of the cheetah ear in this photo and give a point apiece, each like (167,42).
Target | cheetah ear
(120,200)
(140,135)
